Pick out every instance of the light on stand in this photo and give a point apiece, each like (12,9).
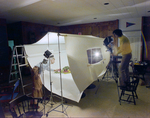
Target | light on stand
(96,54)
(48,54)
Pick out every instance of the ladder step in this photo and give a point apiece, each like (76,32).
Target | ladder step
(13,81)
(23,65)
(24,56)
(14,55)
(28,94)
(14,72)
(21,46)
(14,64)
(20,55)
(27,84)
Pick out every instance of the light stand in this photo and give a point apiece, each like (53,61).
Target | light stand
(62,104)
(48,55)
(42,70)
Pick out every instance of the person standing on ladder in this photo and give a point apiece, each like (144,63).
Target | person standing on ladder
(125,50)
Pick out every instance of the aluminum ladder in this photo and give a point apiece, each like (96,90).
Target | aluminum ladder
(18,61)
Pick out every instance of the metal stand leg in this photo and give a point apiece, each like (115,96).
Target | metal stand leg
(62,101)
(113,76)
(102,79)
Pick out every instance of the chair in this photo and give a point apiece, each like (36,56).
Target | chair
(128,93)
(8,93)
(21,108)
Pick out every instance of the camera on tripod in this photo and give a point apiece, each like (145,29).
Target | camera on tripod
(108,43)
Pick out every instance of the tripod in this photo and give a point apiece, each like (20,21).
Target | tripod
(111,70)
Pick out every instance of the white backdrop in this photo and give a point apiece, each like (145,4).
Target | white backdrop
(73,53)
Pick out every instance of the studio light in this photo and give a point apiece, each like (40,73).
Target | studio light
(48,54)
(97,54)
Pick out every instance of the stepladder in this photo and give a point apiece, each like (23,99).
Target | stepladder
(18,63)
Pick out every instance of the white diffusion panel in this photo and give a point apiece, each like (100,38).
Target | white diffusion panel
(73,53)
(83,73)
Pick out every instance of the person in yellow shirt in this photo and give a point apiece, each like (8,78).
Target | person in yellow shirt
(125,50)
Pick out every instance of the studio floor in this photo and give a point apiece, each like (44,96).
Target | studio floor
(99,102)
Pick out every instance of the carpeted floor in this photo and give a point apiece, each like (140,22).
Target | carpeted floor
(99,102)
